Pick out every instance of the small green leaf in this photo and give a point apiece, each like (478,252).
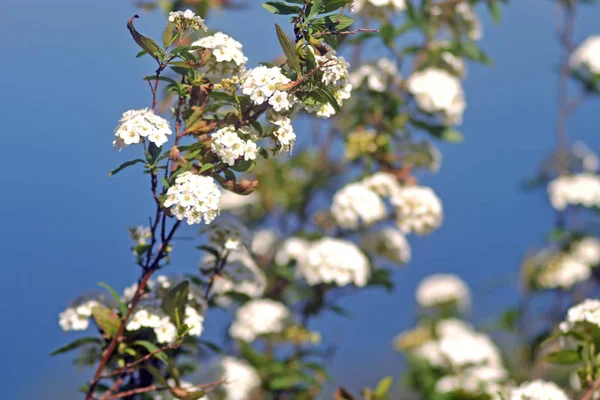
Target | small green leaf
(288,49)
(122,307)
(106,320)
(451,135)
(205,167)
(285,382)
(383,388)
(125,165)
(494,8)
(151,347)
(563,357)
(333,23)
(277,7)
(76,344)
(168,36)
(333,5)
(147,44)
(175,301)
(326,92)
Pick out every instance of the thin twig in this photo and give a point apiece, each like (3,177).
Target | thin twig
(129,367)
(589,393)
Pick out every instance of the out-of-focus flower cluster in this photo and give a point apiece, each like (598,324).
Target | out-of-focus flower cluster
(575,190)
(138,125)
(193,197)
(377,7)
(443,289)
(259,317)
(586,57)
(378,77)
(538,390)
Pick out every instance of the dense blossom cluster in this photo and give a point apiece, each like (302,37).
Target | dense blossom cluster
(229,146)
(259,317)
(335,77)
(378,77)
(588,311)
(586,57)
(389,243)
(418,209)
(284,131)
(359,6)
(138,125)
(187,19)
(538,390)
(292,249)
(356,203)
(77,316)
(586,250)
(575,190)
(264,84)
(468,18)
(241,379)
(437,91)
(336,261)
(227,58)
(194,197)
(562,270)
(440,289)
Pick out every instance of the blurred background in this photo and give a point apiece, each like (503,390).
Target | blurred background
(68,72)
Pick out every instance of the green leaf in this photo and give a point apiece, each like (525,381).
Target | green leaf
(314,9)
(471,51)
(333,5)
(151,347)
(382,277)
(244,165)
(122,307)
(333,23)
(277,7)
(563,357)
(383,388)
(387,33)
(125,165)
(254,357)
(147,44)
(175,301)
(76,344)
(494,8)
(451,135)
(326,92)
(285,382)
(155,372)
(205,167)
(168,36)
(106,320)
(288,49)
(211,346)
(339,310)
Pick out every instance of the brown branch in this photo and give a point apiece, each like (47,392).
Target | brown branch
(589,393)
(346,32)
(153,388)
(129,367)
(113,388)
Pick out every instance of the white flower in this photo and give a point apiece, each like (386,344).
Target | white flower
(367,5)
(77,316)
(475,381)
(437,91)
(262,82)
(564,271)
(227,58)
(576,190)
(284,131)
(441,289)
(292,249)
(187,20)
(587,311)
(469,19)
(377,76)
(229,147)
(586,58)
(194,320)
(538,390)
(456,63)
(383,183)
(137,125)
(166,332)
(264,241)
(240,378)
(228,233)
(259,317)
(194,197)
(389,243)
(335,77)
(356,203)
(418,209)
(587,250)
(336,261)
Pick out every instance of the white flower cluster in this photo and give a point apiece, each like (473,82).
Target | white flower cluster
(259,317)
(586,250)
(538,390)
(194,197)
(455,63)
(186,20)
(336,261)
(227,58)
(284,131)
(264,242)
(139,237)
(240,275)
(149,313)
(241,379)
(562,270)
(335,77)
(575,190)
(437,91)
(440,289)
(229,146)
(468,18)
(476,381)
(389,243)
(418,209)
(292,249)
(378,77)
(588,311)
(365,5)
(77,317)
(266,84)
(356,203)
(586,58)
(136,125)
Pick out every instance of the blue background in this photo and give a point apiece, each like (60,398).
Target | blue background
(69,70)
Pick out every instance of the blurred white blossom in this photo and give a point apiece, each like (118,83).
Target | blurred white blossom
(562,271)
(389,243)
(77,316)
(538,390)
(259,317)
(292,249)
(378,76)
(588,311)
(586,250)
(356,203)
(577,190)
(586,57)
(418,209)
(241,378)
(440,289)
